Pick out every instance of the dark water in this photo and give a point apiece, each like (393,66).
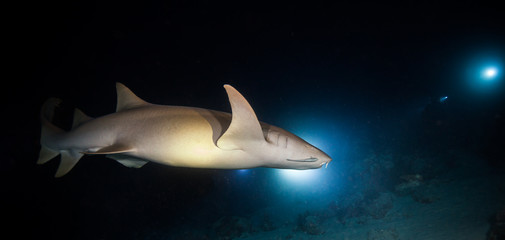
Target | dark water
(398,95)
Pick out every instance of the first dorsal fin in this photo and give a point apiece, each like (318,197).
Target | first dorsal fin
(244,127)
(126,99)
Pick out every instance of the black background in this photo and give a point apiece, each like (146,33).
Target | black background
(351,58)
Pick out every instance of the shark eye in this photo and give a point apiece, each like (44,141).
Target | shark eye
(277,138)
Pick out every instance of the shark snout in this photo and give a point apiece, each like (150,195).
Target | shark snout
(325,159)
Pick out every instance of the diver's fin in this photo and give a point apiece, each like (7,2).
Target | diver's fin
(244,126)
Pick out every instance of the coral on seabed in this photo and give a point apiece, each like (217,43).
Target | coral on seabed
(309,224)
(267,224)
(349,206)
(409,182)
(414,186)
(231,227)
(382,234)
(379,207)
(359,207)
(497,230)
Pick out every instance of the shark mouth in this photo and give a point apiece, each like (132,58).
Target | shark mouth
(303,160)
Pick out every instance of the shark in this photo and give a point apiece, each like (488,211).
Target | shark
(140,132)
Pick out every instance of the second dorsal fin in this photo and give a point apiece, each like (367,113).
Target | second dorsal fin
(79,118)
(126,99)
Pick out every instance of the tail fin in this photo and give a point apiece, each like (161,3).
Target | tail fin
(50,135)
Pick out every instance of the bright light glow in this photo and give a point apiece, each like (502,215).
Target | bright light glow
(324,133)
(301,180)
(442,99)
(300,176)
(484,74)
(490,73)
(243,171)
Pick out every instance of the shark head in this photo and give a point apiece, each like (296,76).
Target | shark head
(275,146)
(284,149)
(291,151)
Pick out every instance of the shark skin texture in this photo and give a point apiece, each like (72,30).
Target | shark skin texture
(140,132)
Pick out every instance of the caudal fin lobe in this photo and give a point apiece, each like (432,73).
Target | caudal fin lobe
(49,138)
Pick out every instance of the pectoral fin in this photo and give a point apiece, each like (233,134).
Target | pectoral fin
(112,149)
(244,127)
(116,152)
(128,161)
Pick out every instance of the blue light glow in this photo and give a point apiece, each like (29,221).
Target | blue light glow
(300,177)
(442,99)
(489,73)
(323,132)
(243,171)
(483,74)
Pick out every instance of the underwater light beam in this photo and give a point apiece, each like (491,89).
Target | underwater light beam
(300,176)
(489,73)
(242,171)
(322,132)
(483,75)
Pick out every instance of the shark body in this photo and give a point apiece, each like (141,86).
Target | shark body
(139,132)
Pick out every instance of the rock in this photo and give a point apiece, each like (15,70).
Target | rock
(309,224)
(424,195)
(231,227)
(414,186)
(382,234)
(266,223)
(409,183)
(497,229)
(347,206)
(380,161)
(379,207)
(412,178)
